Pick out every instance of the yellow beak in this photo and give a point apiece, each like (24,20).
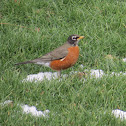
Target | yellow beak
(81,37)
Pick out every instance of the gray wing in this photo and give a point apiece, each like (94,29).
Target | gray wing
(56,54)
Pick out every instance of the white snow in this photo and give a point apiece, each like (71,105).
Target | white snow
(29,110)
(119,114)
(49,75)
(99,73)
(6,102)
(81,66)
(96,73)
(118,74)
(124,60)
(33,111)
(41,76)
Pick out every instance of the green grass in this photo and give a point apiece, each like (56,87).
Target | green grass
(70,101)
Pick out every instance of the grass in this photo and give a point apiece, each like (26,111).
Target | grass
(47,24)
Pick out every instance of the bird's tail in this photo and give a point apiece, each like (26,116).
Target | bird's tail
(24,62)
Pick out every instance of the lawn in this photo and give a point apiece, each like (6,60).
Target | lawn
(32,28)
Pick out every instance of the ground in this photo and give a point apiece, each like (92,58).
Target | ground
(32,28)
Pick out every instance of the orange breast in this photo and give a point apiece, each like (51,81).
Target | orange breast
(68,61)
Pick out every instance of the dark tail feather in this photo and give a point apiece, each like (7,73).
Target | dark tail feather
(24,62)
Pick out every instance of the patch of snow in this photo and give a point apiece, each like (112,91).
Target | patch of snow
(119,114)
(118,74)
(33,110)
(99,73)
(49,75)
(81,66)
(96,73)
(124,60)
(27,109)
(6,102)
(41,76)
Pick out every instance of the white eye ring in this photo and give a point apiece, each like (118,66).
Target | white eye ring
(74,38)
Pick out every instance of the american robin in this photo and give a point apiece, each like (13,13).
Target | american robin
(62,57)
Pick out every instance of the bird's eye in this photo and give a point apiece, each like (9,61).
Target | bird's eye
(74,38)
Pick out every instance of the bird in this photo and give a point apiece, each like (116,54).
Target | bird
(60,58)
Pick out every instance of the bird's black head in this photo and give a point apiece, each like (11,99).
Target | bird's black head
(74,39)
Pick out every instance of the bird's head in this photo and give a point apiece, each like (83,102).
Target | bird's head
(74,39)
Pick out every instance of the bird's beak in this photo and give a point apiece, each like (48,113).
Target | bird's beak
(81,37)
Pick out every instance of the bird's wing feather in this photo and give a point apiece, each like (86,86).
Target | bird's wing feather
(56,54)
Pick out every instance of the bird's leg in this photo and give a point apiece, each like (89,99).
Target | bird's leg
(59,73)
